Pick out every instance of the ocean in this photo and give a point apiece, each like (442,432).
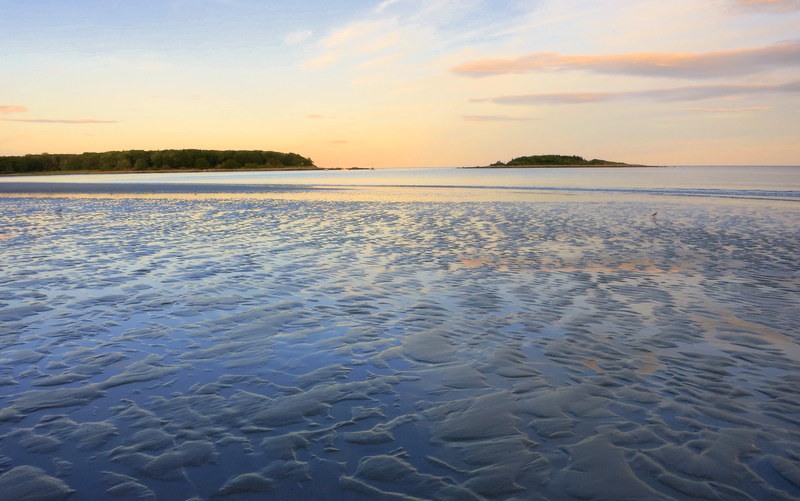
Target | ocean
(553,334)
(702,180)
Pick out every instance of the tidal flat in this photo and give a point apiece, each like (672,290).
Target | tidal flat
(326,347)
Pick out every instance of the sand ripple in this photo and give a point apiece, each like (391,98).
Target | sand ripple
(257,348)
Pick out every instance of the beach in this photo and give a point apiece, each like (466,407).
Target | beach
(277,342)
(400,251)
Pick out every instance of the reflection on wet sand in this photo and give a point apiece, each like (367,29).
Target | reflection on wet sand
(532,266)
(323,345)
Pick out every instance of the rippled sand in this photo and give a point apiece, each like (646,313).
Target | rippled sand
(331,347)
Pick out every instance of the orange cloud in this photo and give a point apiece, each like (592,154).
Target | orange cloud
(779,5)
(690,93)
(7,108)
(494,118)
(723,63)
(58,121)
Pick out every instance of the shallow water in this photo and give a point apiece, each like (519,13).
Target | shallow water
(730,181)
(362,345)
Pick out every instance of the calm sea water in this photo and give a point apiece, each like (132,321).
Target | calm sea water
(781,182)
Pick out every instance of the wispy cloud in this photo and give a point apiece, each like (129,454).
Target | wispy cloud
(731,110)
(353,32)
(495,118)
(690,93)
(59,121)
(724,63)
(538,23)
(357,40)
(327,58)
(297,37)
(414,30)
(774,5)
(6,109)
(384,5)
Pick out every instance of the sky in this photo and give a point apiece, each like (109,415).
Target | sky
(406,83)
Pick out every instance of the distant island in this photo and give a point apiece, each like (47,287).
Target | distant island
(152,161)
(556,161)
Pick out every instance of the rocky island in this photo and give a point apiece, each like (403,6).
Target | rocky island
(556,161)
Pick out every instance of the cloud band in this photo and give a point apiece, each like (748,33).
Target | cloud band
(690,93)
(57,121)
(717,64)
(6,109)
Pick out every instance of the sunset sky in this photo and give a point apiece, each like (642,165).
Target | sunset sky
(406,82)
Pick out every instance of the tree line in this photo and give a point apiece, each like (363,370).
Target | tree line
(141,160)
(554,160)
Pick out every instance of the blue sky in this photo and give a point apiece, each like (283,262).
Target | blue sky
(406,82)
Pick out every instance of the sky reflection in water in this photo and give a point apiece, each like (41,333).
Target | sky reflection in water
(300,345)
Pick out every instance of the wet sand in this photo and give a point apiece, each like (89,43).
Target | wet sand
(280,348)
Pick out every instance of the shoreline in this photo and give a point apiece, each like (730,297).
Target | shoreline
(154,171)
(556,166)
(295,169)
(33,187)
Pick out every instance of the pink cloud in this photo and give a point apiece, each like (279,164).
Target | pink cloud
(775,5)
(7,108)
(731,110)
(653,64)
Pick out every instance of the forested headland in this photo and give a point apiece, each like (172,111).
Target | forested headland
(148,161)
(558,160)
